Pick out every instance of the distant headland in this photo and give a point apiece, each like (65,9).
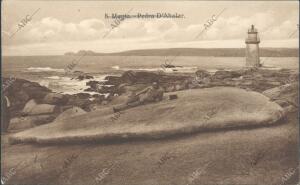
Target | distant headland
(215,52)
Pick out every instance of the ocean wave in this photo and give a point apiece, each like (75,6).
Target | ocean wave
(116,67)
(53,77)
(187,69)
(69,85)
(44,69)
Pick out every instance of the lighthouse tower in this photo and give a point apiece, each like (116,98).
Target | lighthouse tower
(252,48)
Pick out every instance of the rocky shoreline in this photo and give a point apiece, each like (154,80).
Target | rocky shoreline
(32,104)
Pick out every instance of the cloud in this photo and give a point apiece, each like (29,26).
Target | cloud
(51,29)
(60,36)
(235,27)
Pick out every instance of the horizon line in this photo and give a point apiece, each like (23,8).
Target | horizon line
(120,52)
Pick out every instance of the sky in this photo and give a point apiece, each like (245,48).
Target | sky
(62,26)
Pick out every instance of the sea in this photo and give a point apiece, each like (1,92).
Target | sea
(50,71)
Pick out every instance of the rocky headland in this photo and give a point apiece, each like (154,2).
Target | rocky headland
(33,104)
(250,156)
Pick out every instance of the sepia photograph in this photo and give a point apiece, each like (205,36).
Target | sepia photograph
(149,92)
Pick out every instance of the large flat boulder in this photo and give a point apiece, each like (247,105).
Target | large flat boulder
(22,123)
(74,111)
(201,110)
(32,108)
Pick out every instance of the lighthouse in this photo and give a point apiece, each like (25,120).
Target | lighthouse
(252,48)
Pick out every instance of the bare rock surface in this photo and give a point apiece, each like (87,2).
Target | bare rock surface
(279,85)
(286,96)
(201,110)
(74,111)
(21,123)
(32,108)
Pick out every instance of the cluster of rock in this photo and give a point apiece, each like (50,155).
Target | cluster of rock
(38,105)
(32,104)
(133,80)
(284,82)
(253,79)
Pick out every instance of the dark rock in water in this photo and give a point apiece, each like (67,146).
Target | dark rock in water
(78,72)
(116,85)
(90,90)
(226,74)
(20,91)
(34,90)
(94,85)
(83,95)
(84,77)
(55,99)
(202,74)
(247,71)
(97,96)
(140,77)
(101,87)
(29,98)
(113,80)
(169,66)
(108,89)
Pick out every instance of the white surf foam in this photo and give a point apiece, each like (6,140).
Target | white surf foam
(68,85)
(44,69)
(116,67)
(54,77)
(191,69)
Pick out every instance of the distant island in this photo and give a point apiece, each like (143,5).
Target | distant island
(215,52)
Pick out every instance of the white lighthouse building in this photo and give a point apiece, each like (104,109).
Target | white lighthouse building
(252,48)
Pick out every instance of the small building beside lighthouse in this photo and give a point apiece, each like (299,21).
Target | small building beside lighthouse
(252,48)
